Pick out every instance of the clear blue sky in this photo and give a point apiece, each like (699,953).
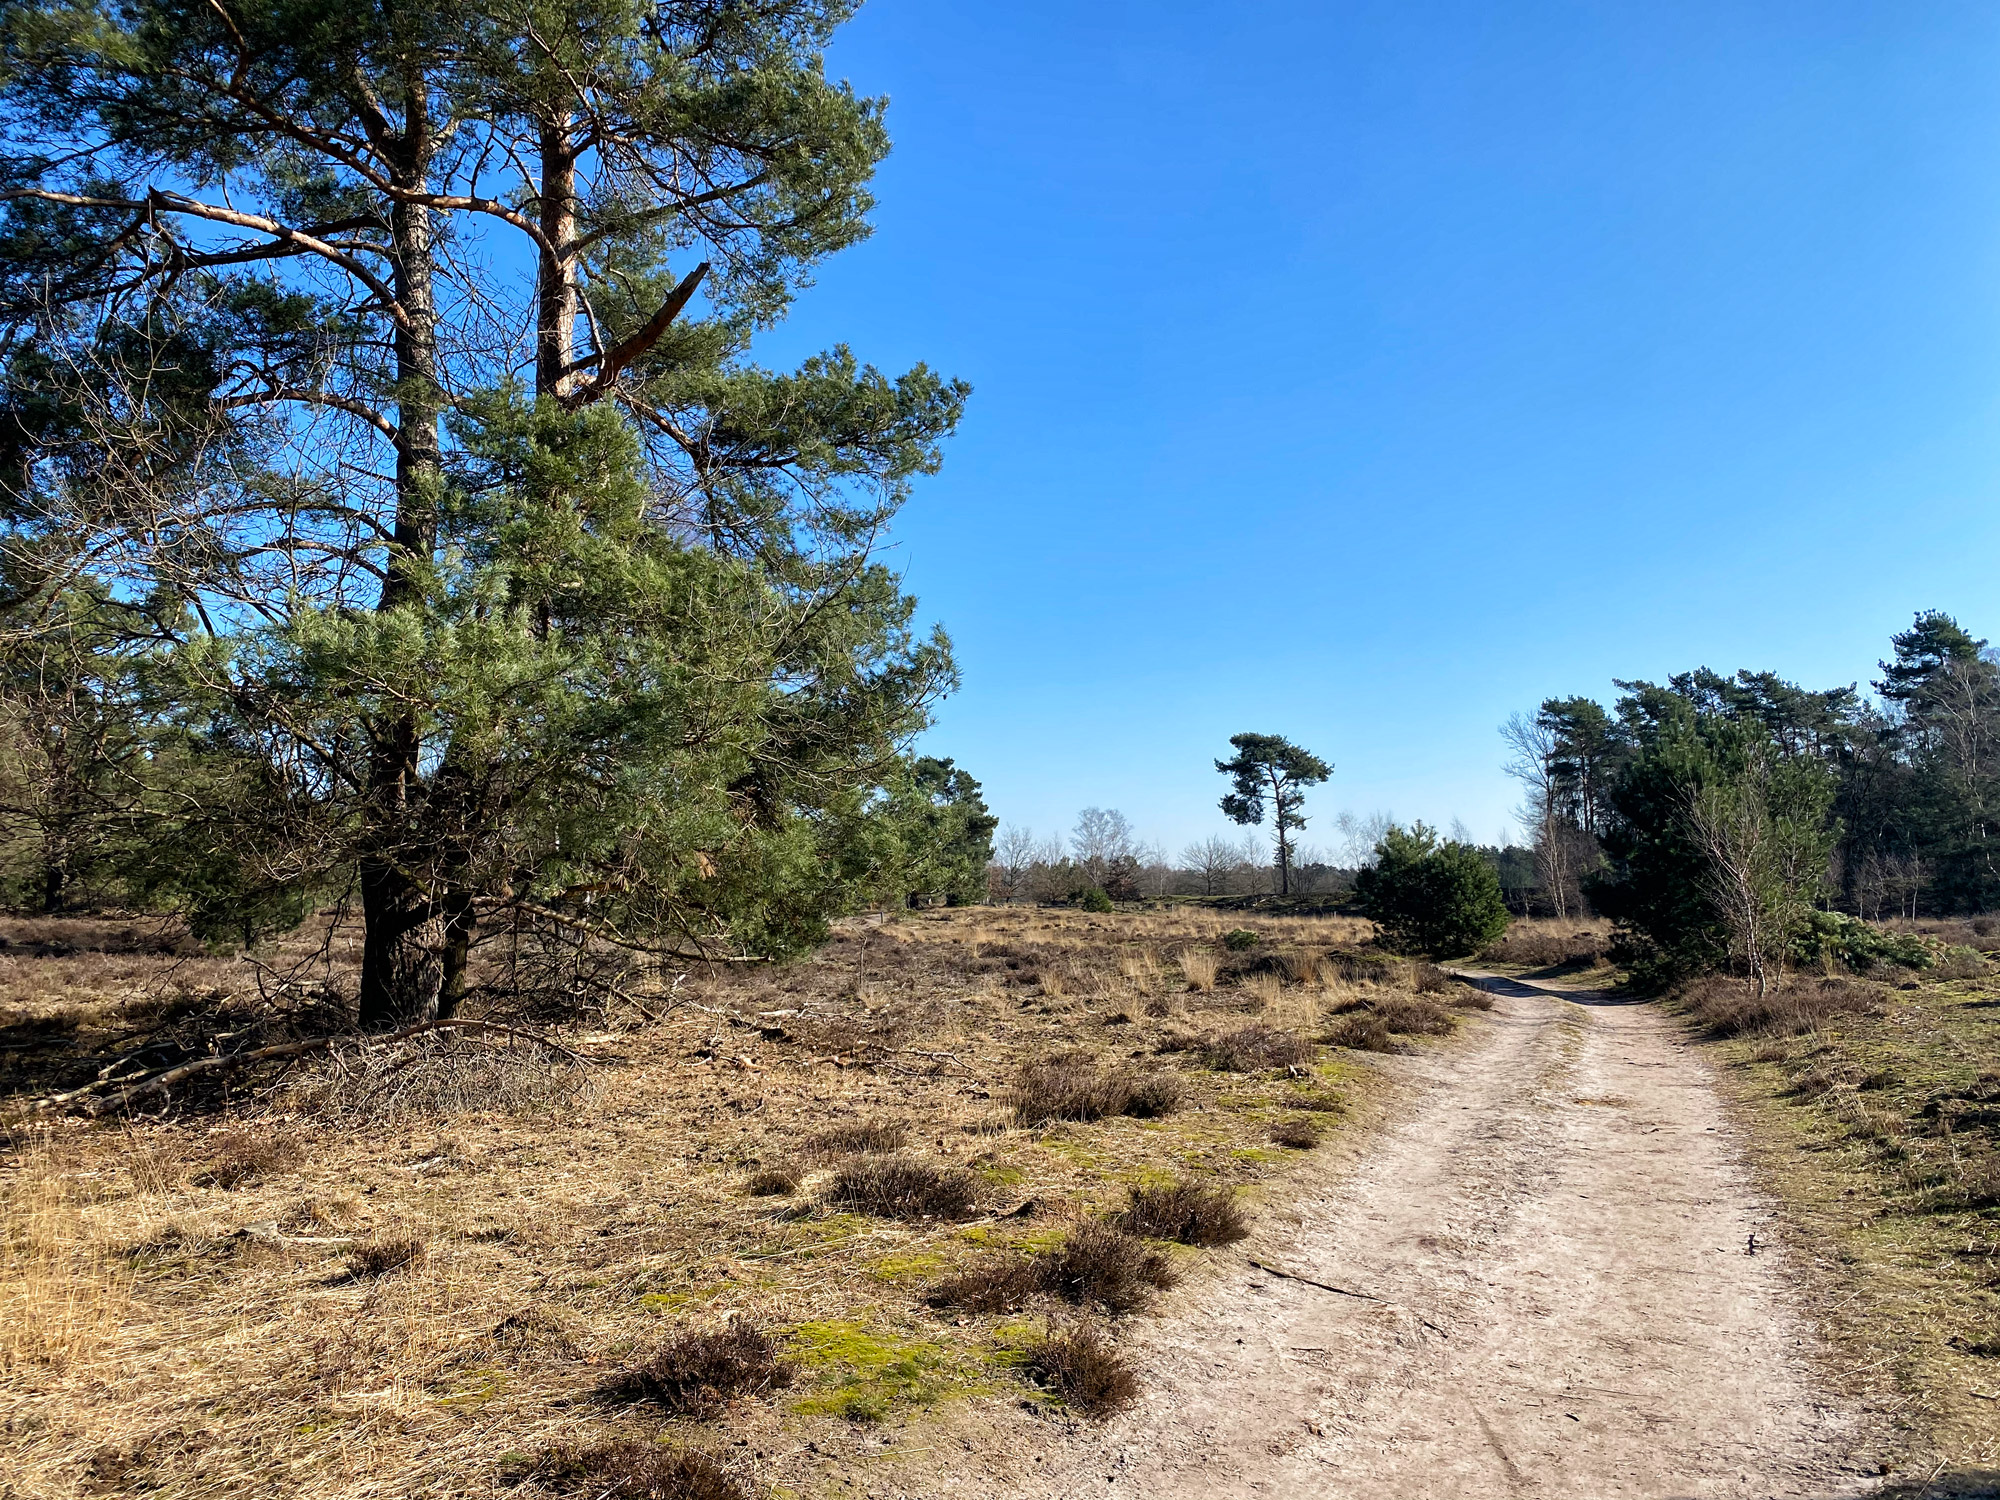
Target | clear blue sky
(1366,372)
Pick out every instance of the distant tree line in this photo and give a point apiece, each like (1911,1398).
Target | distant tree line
(1711,815)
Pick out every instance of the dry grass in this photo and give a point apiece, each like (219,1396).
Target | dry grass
(1545,944)
(152,1315)
(1730,1007)
(1877,1124)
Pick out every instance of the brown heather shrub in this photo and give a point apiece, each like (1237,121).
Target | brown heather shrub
(1429,979)
(1067,1085)
(1079,1365)
(696,1374)
(385,1257)
(774,1181)
(1730,1008)
(1469,998)
(990,1287)
(1535,947)
(900,1187)
(1101,1263)
(244,1156)
(1153,1094)
(860,1138)
(1324,1100)
(1301,1133)
(1413,1015)
(1359,1031)
(629,1469)
(1257,1048)
(1071,1086)
(1190,1213)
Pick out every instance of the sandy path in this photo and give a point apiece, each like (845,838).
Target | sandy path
(1556,1226)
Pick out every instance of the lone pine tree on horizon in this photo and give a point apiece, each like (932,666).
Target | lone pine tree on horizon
(1270,768)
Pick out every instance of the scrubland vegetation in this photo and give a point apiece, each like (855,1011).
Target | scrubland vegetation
(772,1214)
(1876,1103)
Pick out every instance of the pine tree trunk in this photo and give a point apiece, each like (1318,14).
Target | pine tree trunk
(402,958)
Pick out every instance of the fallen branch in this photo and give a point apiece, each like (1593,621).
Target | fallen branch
(1341,1291)
(166,1078)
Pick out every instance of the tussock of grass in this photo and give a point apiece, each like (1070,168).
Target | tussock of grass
(901,1187)
(697,1374)
(1191,1213)
(1078,1364)
(776,1181)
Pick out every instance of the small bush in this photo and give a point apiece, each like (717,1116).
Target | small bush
(1240,940)
(631,1470)
(1436,898)
(860,1137)
(244,1156)
(1299,1133)
(695,1374)
(1079,1365)
(990,1287)
(773,1182)
(1067,1085)
(1413,1015)
(1429,979)
(1153,1095)
(899,1187)
(1359,1031)
(1101,1263)
(1257,1048)
(1468,998)
(1190,1213)
(385,1257)
(1095,899)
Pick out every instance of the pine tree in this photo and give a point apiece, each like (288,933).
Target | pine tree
(406,347)
(1268,769)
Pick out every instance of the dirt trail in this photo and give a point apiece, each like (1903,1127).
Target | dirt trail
(1553,1236)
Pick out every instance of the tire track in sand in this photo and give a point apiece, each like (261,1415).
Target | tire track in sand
(1550,1233)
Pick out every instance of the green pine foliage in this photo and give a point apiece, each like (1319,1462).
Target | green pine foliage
(1438,898)
(476,565)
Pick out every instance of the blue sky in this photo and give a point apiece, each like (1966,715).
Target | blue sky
(1366,372)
